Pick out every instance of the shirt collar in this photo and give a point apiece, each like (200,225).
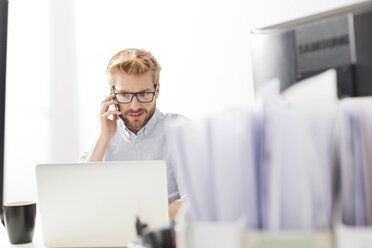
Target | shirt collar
(147,128)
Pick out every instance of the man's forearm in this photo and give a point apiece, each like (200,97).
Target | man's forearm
(173,208)
(98,150)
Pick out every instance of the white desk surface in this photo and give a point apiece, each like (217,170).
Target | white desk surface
(37,240)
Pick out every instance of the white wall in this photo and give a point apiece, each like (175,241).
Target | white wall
(28,115)
(59,49)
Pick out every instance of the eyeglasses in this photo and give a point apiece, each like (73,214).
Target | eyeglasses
(142,97)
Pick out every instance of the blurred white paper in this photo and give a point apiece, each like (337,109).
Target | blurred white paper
(216,159)
(317,90)
(299,154)
(271,166)
(234,172)
(190,148)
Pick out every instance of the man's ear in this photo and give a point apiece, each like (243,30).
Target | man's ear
(157,91)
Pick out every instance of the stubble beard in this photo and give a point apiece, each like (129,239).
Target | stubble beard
(137,125)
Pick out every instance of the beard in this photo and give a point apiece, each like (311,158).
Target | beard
(136,125)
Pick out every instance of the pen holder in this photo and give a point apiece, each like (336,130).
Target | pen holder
(160,238)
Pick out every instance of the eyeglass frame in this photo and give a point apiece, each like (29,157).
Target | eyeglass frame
(134,94)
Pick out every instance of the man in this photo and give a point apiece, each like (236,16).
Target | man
(139,132)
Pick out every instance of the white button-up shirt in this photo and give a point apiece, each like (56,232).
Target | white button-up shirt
(150,143)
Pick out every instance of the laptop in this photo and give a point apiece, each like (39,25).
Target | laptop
(96,204)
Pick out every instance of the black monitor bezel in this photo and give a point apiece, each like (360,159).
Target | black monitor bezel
(3,52)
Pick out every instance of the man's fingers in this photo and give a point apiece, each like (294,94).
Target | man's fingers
(110,97)
(108,113)
(105,105)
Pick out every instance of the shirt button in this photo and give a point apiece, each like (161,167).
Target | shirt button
(136,146)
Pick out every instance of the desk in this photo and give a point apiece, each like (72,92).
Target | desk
(38,238)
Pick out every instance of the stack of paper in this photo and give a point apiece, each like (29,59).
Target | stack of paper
(355,142)
(272,166)
(299,157)
(216,160)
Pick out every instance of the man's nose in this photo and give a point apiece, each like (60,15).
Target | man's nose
(135,104)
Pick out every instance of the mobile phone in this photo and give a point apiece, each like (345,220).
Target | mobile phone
(117,108)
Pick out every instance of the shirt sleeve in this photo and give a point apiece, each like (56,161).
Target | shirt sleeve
(83,156)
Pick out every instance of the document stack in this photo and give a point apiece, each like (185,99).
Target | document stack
(355,146)
(356,161)
(217,159)
(275,170)
(298,168)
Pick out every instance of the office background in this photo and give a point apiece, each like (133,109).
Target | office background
(58,51)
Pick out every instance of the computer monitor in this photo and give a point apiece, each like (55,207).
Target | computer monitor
(294,50)
(3,47)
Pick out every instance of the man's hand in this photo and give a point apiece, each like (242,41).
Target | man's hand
(108,126)
(107,129)
(173,208)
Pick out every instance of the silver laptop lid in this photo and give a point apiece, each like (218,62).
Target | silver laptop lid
(95,204)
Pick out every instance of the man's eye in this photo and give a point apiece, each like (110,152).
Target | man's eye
(144,94)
